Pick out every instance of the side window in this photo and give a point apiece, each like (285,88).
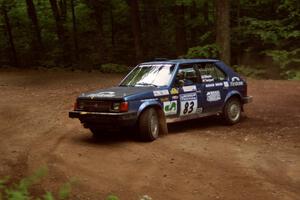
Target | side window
(210,73)
(187,75)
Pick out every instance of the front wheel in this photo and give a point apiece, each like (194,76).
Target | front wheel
(149,125)
(232,111)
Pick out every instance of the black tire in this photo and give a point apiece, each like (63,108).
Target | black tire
(148,124)
(232,111)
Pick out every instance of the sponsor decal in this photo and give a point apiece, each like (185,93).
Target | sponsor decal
(213,96)
(175,97)
(174,91)
(188,103)
(208,80)
(190,88)
(206,76)
(235,78)
(170,107)
(199,110)
(188,97)
(164,99)
(238,83)
(160,93)
(226,84)
(209,85)
(102,94)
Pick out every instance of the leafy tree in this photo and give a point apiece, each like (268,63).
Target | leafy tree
(92,33)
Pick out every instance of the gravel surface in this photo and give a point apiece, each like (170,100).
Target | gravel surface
(258,158)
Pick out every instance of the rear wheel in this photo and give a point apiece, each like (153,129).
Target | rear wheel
(149,125)
(232,111)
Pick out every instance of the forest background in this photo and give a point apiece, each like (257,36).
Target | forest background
(259,38)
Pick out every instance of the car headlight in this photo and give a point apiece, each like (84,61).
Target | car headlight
(78,105)
(116,106)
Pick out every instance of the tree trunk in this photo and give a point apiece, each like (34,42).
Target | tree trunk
(112,25)
(14,56)
(63,9)
(136,28)
(97,7)
(206,13)
(194,29)
(60,31)
(180,31)
(239,53)
(223,29)
(152,29)
(37,44)
(74,22)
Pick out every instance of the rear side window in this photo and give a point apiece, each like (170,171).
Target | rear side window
(211,73)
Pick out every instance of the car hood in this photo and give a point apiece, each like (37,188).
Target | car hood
(119,93)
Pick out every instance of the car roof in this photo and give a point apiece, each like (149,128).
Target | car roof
(181,61)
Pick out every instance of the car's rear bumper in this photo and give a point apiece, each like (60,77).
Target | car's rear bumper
(105,119)
(247,99)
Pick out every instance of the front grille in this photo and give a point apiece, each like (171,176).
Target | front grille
(94,106)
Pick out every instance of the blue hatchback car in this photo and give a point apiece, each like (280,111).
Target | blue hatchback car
(160,92)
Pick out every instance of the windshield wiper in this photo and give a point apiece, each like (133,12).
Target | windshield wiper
(147,84)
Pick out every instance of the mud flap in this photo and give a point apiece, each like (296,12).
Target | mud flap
(163,127)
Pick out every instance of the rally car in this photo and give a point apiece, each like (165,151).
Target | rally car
(160,92)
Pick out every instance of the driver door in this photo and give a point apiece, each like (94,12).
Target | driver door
(189,88)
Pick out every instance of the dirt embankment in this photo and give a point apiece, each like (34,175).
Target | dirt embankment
(258,158)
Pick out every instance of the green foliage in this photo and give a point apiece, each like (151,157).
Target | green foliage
(292,74)
(21,190)
(48,196)
(276,35)
(104,32)
(113,68)
(284,57)
(269,31)
(207,51)
(289,62)
(257,72)
(65,191)
(112,197)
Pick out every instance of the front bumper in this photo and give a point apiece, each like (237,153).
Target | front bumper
(105,119)
(247,99)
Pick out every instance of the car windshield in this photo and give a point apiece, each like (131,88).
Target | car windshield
(149,75)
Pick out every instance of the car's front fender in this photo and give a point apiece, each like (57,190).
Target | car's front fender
(146,104)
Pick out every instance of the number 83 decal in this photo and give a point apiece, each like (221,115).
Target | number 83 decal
(188,107)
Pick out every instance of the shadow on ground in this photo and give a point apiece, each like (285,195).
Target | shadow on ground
(118,136)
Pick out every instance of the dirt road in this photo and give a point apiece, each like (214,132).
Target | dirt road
(198,160)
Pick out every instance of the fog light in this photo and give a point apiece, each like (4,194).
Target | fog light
(120,107)
(116,106)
